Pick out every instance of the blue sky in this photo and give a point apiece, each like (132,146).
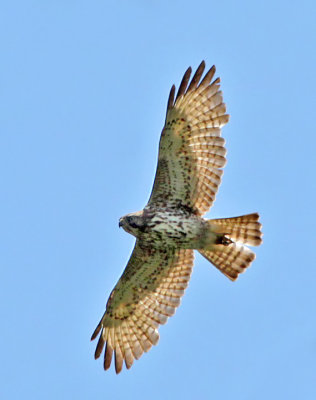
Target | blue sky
(83,92)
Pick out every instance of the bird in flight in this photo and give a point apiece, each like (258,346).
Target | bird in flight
(190,161)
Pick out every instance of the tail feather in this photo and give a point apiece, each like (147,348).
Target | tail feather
(229,254)
(245,229)
(231,260)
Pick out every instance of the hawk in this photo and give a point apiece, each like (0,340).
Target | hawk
(190,161)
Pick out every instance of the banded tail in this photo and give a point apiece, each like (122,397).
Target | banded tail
(230,255)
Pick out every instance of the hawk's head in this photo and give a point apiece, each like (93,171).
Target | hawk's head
(133,223)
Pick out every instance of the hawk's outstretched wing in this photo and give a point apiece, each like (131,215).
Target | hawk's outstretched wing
(191,151)
(148,292)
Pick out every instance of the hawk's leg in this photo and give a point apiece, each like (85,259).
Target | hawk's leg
(222,239)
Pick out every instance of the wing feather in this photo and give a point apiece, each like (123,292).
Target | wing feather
(146,295)
(197,77)
(184,83)
(191,151)
(171,97)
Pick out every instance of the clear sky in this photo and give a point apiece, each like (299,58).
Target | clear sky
(83,92)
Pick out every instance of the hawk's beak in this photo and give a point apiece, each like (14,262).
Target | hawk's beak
(120,223)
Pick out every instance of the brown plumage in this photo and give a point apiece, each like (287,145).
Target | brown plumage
(190,162)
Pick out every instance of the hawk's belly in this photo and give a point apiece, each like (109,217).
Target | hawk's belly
(176,229)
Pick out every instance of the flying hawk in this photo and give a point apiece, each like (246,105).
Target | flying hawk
(171,226)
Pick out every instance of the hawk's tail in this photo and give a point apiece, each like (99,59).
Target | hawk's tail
(229,254)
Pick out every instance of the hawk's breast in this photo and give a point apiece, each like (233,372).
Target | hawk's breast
(174,227)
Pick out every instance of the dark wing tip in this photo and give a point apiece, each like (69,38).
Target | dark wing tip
(195,81)
(96,332)
(118,361)
(197,76)
(107,357)
(208,76)
(171,97)
(99,348)
(184,82)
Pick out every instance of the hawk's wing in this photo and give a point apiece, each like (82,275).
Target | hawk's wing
(191,151)
(148,292)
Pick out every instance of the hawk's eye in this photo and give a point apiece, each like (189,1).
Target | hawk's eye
(131,222)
